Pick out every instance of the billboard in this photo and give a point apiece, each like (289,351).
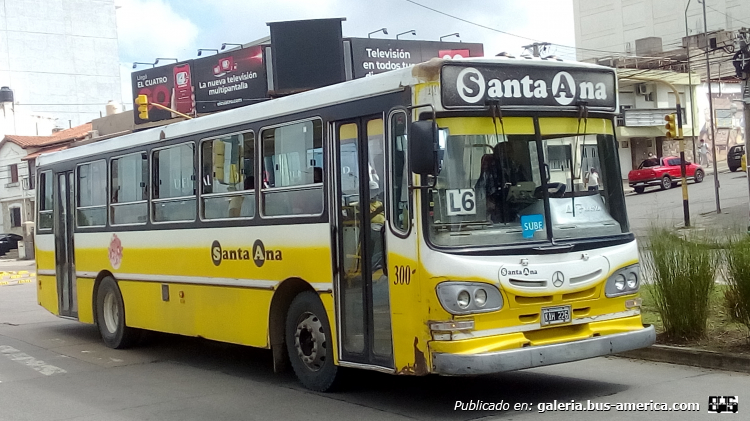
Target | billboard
(170,86)
(230,80)
(372,56)
(306,54)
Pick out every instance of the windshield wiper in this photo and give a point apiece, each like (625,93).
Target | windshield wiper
(554,248)
(583,113)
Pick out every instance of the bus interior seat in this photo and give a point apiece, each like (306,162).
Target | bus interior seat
(554,189)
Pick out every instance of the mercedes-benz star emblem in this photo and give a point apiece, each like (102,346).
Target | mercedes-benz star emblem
(557,279)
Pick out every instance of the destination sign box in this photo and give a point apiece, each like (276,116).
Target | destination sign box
(527,86)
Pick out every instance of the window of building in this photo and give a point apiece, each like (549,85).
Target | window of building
(129,192)
(14,173)
(228,179)
(173,175)
(91,206)
(44,219)
(15,217)
(293,169)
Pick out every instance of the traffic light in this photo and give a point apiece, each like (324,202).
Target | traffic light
(142,102)
(671,125)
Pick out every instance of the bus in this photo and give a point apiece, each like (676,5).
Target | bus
(457,217)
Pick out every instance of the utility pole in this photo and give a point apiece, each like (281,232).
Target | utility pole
(690,83)
(711,109)
(536,48)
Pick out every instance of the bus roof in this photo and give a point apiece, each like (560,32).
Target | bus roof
(391,81)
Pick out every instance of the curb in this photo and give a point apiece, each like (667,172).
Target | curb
(692,357)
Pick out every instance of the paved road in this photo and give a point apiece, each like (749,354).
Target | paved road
(664,207)
(56,369)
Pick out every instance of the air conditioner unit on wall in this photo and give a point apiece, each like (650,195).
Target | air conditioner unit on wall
(642,89)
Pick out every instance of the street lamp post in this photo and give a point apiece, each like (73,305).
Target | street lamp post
(711,109)
(411,31)
(455,34)
(384,30)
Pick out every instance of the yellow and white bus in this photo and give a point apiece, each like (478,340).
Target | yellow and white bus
(457,217)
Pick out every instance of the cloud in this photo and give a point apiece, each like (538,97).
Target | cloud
(148,29)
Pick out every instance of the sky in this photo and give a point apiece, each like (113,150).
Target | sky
(149,29)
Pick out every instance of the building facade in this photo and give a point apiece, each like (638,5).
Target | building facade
(60,58)
(666,39)
(17,173)
(643,27)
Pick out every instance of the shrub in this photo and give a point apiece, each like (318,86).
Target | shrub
(737,274)
(683,275)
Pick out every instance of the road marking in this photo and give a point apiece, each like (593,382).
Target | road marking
(26,359)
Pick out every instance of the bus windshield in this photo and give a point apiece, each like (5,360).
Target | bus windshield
(489,190)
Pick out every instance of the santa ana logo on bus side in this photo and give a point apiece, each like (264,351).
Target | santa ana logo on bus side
(520,85)
(258,254)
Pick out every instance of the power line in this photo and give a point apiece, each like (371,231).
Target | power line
(504,32)
(731,17)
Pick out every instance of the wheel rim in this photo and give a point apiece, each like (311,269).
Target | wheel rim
(699,176)
(310,341)
(667,183)
(111,314)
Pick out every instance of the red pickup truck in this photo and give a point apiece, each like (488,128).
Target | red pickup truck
(663,172)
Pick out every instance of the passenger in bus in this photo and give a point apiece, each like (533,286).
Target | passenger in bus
(498,174)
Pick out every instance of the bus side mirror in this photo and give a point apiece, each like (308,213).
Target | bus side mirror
(423,147)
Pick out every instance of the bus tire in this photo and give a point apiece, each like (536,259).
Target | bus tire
(308,342)
(110,316)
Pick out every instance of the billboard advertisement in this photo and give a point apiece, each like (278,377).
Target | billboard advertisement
(372,56)
(230,80)
(170,86)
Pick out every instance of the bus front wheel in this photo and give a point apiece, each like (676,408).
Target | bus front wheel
(308,342)
(110,316)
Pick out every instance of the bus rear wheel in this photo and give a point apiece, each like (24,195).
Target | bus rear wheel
(308,342)
(110,316)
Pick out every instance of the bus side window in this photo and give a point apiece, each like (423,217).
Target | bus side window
(91,206)
(128,189)
(399,190)
(173,174)
(293,169)
(44,220)
(227,178)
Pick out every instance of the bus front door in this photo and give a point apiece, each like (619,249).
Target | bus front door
(64,252)
(364,324)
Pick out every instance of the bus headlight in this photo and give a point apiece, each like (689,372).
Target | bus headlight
(469,297)
(623,281)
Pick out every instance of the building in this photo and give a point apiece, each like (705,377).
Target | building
(641,128)
(60,58)
(667,40)
(650,27)
(17,172)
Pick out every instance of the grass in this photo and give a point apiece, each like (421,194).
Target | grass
(683,276)
(722,332)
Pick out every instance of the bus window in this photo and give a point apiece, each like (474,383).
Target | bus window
(44,220)
(92,194)
(292,157)
(228,181)
(399,186)
(174,183)
(129,194)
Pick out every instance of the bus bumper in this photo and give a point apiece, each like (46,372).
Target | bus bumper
(538,356)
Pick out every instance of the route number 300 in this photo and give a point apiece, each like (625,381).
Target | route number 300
(403,275)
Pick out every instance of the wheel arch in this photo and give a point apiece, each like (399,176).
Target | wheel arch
(103,274)
(282,299)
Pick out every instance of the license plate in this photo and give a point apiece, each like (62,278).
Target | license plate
(555,315)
